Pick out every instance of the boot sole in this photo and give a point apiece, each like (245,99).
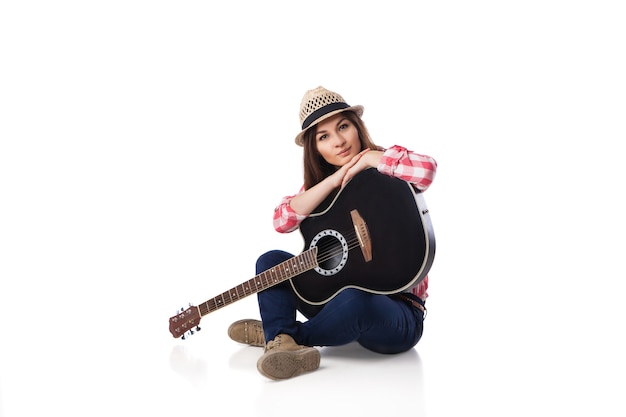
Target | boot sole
(282,364)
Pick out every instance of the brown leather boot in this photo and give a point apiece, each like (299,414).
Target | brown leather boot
(284,358)
(247,331)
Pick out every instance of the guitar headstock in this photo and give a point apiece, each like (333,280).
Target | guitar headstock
(186,321)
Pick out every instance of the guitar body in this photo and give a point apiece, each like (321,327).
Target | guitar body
(400,232)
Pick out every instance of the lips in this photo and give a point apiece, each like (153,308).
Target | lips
(344,152)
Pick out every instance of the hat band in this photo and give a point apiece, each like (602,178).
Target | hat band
(321,112)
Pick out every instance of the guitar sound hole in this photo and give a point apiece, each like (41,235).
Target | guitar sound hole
(330,253)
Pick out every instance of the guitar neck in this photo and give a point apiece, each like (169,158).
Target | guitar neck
(295,266)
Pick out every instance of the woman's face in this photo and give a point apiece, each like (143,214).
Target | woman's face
(337,140)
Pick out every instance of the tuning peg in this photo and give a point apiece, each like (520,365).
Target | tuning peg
(183,308)
(189,333)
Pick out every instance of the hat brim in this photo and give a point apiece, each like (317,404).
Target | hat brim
(356,109)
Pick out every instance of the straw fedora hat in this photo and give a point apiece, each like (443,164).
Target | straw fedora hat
(319,104)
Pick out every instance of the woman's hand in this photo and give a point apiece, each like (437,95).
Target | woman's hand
(344,174)
(307,201)
(365,159)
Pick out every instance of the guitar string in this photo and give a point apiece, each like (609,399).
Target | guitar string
(330,250)
(333,244)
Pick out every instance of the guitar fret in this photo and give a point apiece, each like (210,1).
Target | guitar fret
(212,304)
(263,280)
(227,298)
(295,266)
(273,272)
(300,263)
(311,256)
(246,288)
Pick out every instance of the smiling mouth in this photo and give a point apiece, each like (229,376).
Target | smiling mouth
(344,152)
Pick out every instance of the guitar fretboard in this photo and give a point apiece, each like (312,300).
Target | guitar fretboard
(303,262)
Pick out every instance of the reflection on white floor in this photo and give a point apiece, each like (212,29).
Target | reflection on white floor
(348,376)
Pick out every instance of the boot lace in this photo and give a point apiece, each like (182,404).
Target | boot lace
(254,330)
(273,343)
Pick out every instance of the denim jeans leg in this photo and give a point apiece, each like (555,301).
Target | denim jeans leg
(277,304)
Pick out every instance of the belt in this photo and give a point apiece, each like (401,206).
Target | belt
(412,302)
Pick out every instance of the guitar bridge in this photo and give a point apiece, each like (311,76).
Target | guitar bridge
(362,234)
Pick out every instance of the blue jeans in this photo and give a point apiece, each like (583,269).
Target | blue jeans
(377,322)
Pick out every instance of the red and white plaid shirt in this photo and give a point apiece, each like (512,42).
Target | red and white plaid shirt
(396,161)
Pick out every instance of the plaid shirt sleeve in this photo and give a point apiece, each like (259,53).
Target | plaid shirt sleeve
(417,169)
(285,218)
(396,161)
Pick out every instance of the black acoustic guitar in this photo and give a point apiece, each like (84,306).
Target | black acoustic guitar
(375,234)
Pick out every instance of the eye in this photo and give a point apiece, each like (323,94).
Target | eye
(343,126)
(322,137)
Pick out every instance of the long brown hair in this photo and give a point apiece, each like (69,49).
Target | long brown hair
(315,166)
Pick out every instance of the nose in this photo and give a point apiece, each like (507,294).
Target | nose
(339,140)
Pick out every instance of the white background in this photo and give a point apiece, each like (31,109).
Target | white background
(144,145)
